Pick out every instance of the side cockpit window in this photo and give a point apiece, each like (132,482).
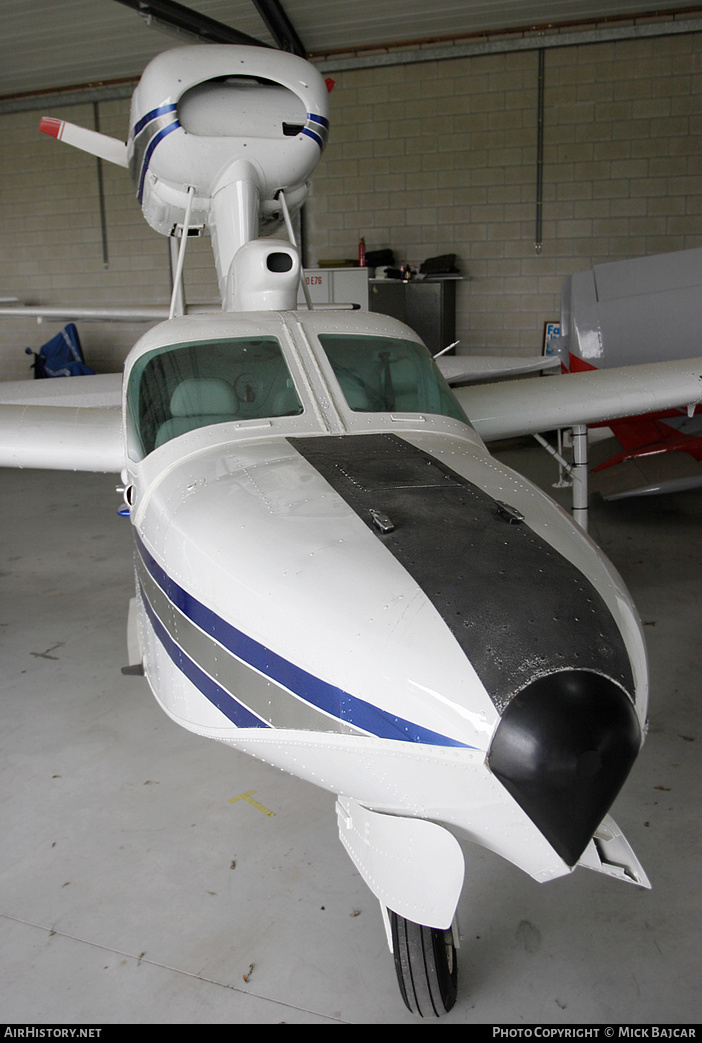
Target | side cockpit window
(183,387)
(388,375)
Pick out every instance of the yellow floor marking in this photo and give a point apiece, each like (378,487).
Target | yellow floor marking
(253,803)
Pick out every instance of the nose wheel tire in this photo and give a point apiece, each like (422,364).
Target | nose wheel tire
(426,966)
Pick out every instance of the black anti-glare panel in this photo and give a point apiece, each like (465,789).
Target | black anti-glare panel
(517,607)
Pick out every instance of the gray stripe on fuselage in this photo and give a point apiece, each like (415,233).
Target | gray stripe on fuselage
(268,700)
(144,138)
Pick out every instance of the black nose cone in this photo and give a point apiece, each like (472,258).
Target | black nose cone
(563,749)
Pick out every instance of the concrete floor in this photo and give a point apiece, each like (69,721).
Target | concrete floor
(135,888)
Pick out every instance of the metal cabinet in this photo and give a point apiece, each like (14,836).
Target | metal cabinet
(428,306)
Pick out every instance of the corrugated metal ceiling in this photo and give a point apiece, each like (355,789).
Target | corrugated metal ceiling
(46,44)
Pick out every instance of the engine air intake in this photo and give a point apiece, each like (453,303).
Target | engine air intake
(563,750)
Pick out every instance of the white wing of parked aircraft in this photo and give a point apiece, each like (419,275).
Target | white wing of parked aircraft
(640,310)
(68,313)
(471,369)
(333,574)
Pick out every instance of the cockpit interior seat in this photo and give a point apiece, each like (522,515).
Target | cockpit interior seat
(198,402)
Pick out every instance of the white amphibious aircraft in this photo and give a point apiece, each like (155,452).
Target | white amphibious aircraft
(333,574)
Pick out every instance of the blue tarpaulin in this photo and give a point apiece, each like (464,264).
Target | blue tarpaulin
(62,356)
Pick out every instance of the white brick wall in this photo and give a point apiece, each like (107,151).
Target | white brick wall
(450,151)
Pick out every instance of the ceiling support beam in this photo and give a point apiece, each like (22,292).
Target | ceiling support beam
(280,27)
(178,16)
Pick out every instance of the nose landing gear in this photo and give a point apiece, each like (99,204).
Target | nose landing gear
(426,966)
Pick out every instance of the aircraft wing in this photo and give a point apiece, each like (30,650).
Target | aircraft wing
(83,435)
(464,369)
(513,408)
(66,423)
(61,438)
(95,390)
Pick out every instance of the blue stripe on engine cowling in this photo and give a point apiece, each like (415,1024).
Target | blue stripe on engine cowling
(149,153)
(315,137)
(162,110)
(339,704)
(319,132)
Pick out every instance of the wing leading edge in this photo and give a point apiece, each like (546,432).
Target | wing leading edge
(99,390)
(61,438)
(523,407)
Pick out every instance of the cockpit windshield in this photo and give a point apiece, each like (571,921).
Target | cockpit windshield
(388,375)
(182,387)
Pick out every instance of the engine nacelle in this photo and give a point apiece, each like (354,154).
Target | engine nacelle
(197,110)
(217,133)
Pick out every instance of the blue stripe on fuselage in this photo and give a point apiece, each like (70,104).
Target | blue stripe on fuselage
(332,700)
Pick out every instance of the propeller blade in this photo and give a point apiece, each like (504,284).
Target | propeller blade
(100,145)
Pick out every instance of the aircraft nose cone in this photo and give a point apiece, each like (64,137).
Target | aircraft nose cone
(563,750)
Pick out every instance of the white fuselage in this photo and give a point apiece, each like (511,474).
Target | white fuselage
(276,617)
(332,572)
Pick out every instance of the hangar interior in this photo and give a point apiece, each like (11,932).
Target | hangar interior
(150,876)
